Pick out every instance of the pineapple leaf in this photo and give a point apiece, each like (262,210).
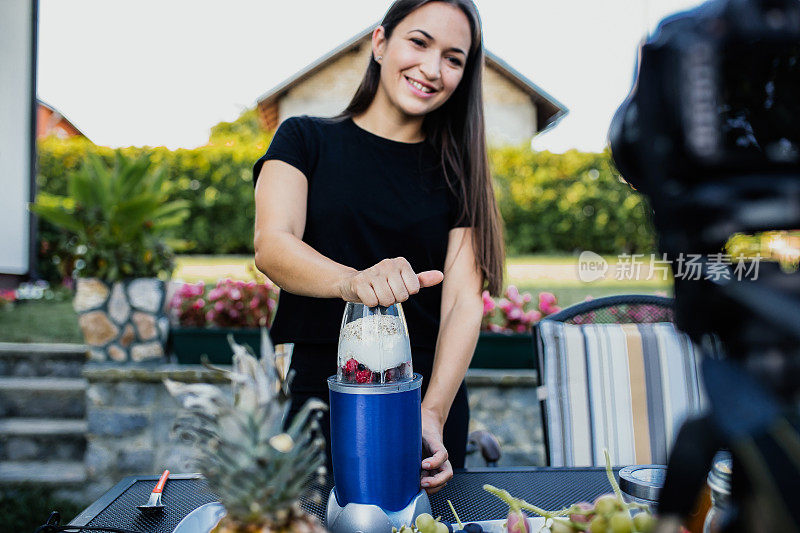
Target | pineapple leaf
(259,469)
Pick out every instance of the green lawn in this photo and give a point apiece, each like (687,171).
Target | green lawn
(48,321)
(40,321)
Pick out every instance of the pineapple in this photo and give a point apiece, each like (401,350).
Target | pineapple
(258,471)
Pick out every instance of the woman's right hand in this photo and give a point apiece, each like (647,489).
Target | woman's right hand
(386,283)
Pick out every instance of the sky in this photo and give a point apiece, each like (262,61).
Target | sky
(163,72)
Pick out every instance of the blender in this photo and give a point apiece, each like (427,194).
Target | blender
(376,425)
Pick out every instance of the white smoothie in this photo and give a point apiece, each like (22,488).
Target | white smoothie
(377,341)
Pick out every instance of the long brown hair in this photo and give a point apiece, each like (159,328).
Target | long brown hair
(456,129)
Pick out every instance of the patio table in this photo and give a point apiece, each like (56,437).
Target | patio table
(550,488)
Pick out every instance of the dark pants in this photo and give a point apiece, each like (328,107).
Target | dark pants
(314,363)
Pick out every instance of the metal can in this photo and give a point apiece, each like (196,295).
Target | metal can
(642,484)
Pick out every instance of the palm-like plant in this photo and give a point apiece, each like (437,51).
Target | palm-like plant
(119,216)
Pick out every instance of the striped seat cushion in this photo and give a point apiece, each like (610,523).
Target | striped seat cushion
(622,387)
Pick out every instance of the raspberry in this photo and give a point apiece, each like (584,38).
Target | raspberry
(363,376)
(350,366)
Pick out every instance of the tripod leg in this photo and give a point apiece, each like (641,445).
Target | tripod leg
(688,466)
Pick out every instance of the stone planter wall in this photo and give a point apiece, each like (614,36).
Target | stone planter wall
(124,321)
(130,415)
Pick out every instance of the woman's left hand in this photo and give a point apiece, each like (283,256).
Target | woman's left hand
(437,470)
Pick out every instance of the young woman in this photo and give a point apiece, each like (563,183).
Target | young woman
(391,201)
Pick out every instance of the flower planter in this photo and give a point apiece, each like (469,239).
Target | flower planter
(494,350)
(189,344)
(124,321)
(504,350)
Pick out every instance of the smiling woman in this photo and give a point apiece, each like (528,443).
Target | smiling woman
(390,201)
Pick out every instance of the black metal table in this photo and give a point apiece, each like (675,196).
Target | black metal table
(551,488)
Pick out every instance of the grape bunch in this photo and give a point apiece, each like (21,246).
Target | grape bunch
(609,513)
(425,523)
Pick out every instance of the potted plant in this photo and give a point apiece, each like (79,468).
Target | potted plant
(505,338)
(203,316)
(119,217)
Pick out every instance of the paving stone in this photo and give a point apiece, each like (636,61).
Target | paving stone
(53,473)
(89,294)
(146,294)
(115,424)
(99,459)
(43,397)
(136,461)
(118,308)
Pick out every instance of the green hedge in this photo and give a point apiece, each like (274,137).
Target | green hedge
(567,202)
(549,202)
(215,179)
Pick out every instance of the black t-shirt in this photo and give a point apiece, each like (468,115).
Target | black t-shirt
(369,198)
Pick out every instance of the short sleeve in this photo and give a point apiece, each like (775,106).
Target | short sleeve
(290,145)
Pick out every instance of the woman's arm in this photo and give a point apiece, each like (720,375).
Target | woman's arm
(461,314)
(281,194)
(281,197)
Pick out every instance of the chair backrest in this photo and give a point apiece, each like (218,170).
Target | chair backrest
(625,387)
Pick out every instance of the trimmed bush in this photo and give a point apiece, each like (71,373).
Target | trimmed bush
(567,202)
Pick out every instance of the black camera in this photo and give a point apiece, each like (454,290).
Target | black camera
(710,133)
(717,94)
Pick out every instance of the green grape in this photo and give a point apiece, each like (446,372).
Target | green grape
(561,526)
(424,522)
(644,523)
(606,504)
(598,524)
(621,522)
(441,528)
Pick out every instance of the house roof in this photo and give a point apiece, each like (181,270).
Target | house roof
(549,110)
(61,116)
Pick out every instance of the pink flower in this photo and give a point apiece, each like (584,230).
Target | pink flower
(515,314)
(512,293)
(488,306)
(546,299)
(495,328)
(533,316)
(236,294)
(210,316)
(521,328)
(198,304)
(219,306)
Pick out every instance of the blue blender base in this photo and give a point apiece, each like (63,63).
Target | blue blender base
(366,518)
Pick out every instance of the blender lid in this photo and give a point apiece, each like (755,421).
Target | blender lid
(642,481)
(374,388)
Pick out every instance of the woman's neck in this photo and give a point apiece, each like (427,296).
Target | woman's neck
(384,119)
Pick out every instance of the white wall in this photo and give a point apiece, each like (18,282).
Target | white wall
(16,64)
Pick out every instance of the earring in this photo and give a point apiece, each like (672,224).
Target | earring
(378,59)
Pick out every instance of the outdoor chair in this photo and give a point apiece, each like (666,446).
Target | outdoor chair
(615,374)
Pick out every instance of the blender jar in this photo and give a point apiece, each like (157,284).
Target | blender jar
(374,345)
